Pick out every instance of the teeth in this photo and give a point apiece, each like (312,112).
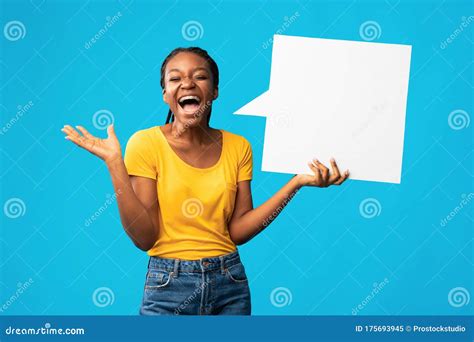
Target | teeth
(189,97)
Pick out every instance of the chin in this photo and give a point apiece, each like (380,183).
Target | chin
(192,119)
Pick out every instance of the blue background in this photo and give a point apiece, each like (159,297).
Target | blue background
(321,249)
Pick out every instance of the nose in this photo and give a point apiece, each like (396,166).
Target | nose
(187,83)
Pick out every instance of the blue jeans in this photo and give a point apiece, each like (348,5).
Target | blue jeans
(209,286)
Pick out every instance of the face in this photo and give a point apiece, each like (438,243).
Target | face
(189,89)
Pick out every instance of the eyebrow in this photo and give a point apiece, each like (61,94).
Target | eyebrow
(196,69)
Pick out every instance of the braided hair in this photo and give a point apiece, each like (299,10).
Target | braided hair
(200,52)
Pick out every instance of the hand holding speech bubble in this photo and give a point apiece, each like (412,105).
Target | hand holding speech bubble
(335,98)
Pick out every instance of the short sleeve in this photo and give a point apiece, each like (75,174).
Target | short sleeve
(246,163)
(139,157)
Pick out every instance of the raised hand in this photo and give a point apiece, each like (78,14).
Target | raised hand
(106,149)
(322,176)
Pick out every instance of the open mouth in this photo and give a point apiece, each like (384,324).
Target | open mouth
(189,103)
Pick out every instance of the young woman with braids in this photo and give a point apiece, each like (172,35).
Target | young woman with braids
(185,195)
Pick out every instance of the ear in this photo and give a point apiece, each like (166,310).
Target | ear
(165,96)
(216,93)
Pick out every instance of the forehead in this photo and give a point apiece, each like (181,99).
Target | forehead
(184,61)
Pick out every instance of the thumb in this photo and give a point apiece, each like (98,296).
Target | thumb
(110,131)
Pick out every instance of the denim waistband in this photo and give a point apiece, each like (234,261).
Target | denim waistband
(205,264)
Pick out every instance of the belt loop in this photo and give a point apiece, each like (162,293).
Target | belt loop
(175,269)
(222,264)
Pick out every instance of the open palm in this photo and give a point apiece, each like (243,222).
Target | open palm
(106,149)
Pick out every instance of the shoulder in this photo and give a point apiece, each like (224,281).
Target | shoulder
(144,136)
(145,133)
(235,140)
(238,148)
(144,140)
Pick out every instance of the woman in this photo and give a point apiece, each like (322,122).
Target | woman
(185,197)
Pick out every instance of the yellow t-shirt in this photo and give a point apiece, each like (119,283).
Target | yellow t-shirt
(195,204)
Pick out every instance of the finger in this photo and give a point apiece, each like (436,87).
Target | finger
(85,132)
(316,171)
(335,172)
(324,169)
(342,179)
(111,131)
(70,131)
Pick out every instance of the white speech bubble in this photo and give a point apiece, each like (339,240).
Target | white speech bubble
(335,98)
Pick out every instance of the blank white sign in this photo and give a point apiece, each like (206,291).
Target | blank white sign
(335,98)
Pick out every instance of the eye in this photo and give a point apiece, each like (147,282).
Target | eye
(174,79)
(201,77)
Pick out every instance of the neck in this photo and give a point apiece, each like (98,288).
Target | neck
(197,133)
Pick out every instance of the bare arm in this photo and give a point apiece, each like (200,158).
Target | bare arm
(138,205)
(247,222)
(136,196)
